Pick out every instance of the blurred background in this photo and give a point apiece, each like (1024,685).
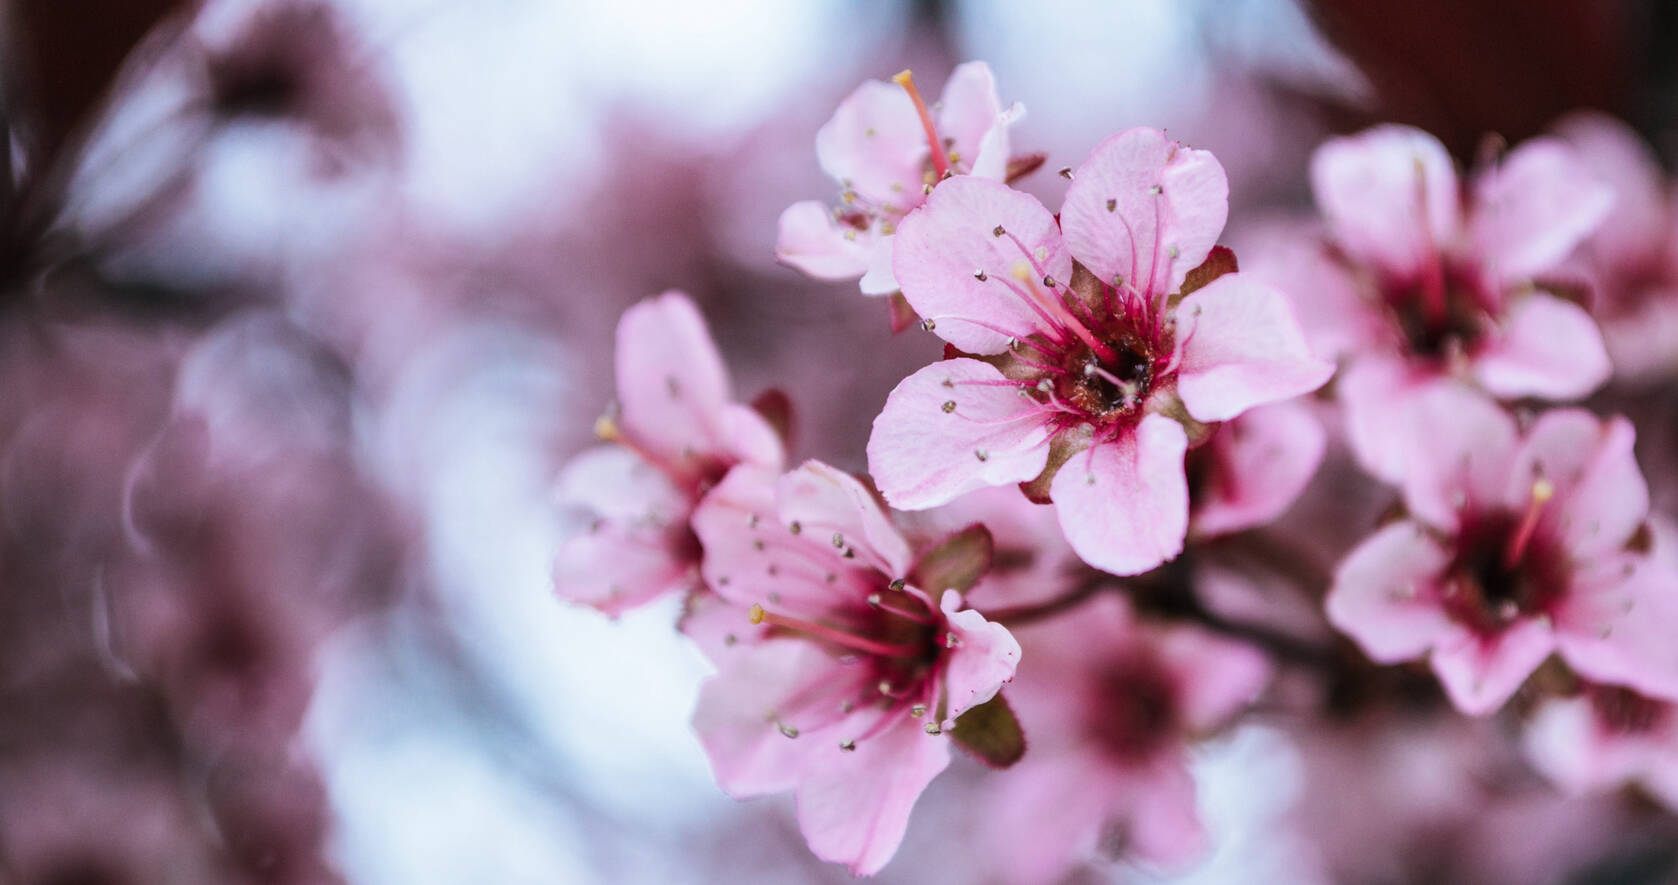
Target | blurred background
(304,302)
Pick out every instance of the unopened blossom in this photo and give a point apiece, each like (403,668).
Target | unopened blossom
(1419,279)
(887,150)
(1516,547)
(1085,369)
(673,434)
(1113,704)
(845,663)
(1631,261)
(1604,738)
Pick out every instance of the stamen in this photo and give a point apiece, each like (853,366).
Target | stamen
(1542,491)
(940,163)
(1062,317)
(757,615)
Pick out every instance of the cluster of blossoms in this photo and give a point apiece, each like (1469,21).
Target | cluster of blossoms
(1114,362)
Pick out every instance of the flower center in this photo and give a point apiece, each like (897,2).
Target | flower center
(1440,313)
(1504,567)
(1137,710)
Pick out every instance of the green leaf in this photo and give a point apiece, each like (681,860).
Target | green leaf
(990,733)
(955,563)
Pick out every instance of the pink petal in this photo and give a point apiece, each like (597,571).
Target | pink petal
(983,658)
(719,628)
(1145,209)
(968,110)
(1462,447)
(1218,677)
(924,452)
(1534,208)
(739,708)
(1384,594)
(1480,673)
(1633,233)
(1261,462)
(812,241)
(875,144)
(1377,392)
(745,435)
(1390,196)
(672,385)
(1048,811)
(836,509)
(1327,301)
(1163,814)
(941,248)
(853,807)
(878,278)
(628,547)
(1544,347)
(1600,497)
(994,152)
(1124,504)
(754,556)
(1615,624)
(1240,347)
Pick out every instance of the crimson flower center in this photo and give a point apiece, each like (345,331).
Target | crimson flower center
(1137,709)
(1440,312)
(1503,567)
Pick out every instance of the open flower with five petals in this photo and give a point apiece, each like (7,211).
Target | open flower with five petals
(1516,547)
(1083,368)
(845,662)
(1420,280)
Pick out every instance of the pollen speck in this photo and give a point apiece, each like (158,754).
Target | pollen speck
(949,405)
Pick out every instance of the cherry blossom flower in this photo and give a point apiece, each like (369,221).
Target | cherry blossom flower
(1416,283)
(1631,261)
(1082,370)
(1515,547)
(1112,704)
(843,660)
(887,150)
(674,434)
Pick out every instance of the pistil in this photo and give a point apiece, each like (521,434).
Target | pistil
(1542,492)
(940,162)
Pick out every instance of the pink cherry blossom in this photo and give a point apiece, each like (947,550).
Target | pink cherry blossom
(1418,282)
(1516,547)
(1631,261)
(845,665)
(1088,373)
(674,435)
(1604,738)
(887,150)
(1112,704)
